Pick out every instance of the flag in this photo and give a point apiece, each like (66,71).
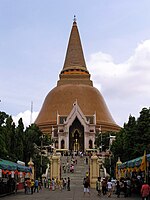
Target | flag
(116,171)
(144,162)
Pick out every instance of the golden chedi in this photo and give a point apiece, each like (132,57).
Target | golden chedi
(74,110)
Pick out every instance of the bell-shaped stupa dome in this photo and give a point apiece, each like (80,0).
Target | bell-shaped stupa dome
(75,85)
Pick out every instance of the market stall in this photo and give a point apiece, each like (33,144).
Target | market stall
(12,176)
(134,168)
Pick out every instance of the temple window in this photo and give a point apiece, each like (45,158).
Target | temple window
(90,144)
(62,119)
(56,144)
(62,144)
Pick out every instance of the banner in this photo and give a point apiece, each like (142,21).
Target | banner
(143,163)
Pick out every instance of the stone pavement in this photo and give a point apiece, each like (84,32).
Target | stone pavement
(76,193)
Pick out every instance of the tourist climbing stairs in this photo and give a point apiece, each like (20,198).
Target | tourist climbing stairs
(81,169)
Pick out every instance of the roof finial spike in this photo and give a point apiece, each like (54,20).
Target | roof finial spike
(74,19)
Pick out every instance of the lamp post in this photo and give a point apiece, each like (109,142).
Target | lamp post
(101,145)
(111,139)
(41,137)
(110,154)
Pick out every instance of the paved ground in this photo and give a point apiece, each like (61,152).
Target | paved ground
(76,193)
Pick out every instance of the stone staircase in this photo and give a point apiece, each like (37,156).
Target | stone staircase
(80,170)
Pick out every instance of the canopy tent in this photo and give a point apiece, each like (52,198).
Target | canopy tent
(133,163)
(11,166)
(136,165)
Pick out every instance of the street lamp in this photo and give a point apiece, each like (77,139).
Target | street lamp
(101,145)
(41,137)
(111,139)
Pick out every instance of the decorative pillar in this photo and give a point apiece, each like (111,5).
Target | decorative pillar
(94,170)
(55,166)
(31,165)
(118,173)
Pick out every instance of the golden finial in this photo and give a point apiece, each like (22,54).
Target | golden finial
(74,19)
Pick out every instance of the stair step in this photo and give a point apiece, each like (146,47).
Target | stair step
(80,170)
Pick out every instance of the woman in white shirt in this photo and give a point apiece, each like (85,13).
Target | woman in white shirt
(109,187)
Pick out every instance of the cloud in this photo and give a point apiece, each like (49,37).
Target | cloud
(125,86)
(26,117)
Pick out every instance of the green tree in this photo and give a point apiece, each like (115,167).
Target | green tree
(3,146)
(19,140)
(143,131)
(31,141)
(3,117)
(9,135)
(34,141)
(133,138)
(19,143)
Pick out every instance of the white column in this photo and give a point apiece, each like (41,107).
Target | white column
(85,141)
(67,139)
(59,141)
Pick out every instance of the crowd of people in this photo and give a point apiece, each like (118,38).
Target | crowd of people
(124,186)
(7,186)
(53,184)
(32,186)
(69,166)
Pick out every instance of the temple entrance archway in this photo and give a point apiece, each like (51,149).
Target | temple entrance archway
(76,136)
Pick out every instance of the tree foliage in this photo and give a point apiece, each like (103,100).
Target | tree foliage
(20,143)
(133,138)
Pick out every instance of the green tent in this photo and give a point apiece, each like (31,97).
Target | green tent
(11,166)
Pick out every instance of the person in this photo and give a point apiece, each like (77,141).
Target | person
(113,185)
(28,181)
(65,183)
(122,185)
(98,185)
(76,161)
(125,188)
(49,182)
(32,186)
(109,187)
(64,168)
(128,187)
(53,184)
(61,184)
(25,187)
(36,185)
(68,167)
(145,191)
(72,168)
(56,180)
(86,161)
(86,186)
(45,182)
(40,185)
(68,184)
(104,185)
(118,189)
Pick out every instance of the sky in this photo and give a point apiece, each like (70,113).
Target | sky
(115,37)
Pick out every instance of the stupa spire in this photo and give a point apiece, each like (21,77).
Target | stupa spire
(74,70)
(74,56)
